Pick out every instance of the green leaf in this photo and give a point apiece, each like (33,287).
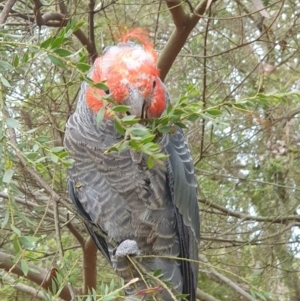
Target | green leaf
(28,242)
(5,82)
(78,25)
(123,146)
(16,61)
(12,123)
(213,112)
(16,244)
(31,155)
(54,158)
(108,298)
(130,120)
(5,219)
(157,272)
(46,43)
(194,117)
(16,230)
(57,149)
(119,127)
(63,155)
(7,176)
(101,86)
(42,139)
(24,267)
(182,296)
(140,132)
(165,129)
(121,109)
(58,41)
(35,148)
(169,109)
(148,139)
(239,106)
(83,67)
(100,116)
(150,162)
(6,66)
(25,57)
(181,125)
(62,52)
(56,61)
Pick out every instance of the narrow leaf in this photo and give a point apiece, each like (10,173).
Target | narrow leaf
(214,112)
(12,123)
(150,164)
(56,61)
(16,230)
(56,149)
(62,52)
(100,116)
(24,267)
(6,66)
(46,43)
(7,176)
(119,127)
(121,109)
(83,67)
(16,61)
(5,220)
(42,139)
(54,158)
(5,82)
(58,41)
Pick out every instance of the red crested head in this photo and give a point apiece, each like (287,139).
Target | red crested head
(131,75)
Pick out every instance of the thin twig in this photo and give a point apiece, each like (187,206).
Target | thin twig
(273,219)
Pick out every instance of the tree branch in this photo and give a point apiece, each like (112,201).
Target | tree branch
(184,23)
(23,288)
(35,274)
(6,10)
(89,265)
(273,219)
(204,296)
(223,279)
(56,19)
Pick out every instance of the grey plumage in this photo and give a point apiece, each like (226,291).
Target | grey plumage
(156,208)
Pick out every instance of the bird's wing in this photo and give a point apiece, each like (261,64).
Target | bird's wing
(183,190)
(99,240)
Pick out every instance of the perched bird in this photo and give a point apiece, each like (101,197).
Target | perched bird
(142,211)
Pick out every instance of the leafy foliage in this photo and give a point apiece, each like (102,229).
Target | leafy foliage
(234,90)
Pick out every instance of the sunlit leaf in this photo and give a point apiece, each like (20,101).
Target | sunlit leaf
(24,267)
(12,123)
(213,112)
(83,67)
(57,149)
(16,230)
(56,61)
(6,66)
(8,176)
(100,116)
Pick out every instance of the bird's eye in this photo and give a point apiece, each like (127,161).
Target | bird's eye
(154,84)
(107,92)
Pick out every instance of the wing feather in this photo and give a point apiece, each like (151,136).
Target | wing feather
(183,190)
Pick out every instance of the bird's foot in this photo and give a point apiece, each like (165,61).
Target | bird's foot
(126,247)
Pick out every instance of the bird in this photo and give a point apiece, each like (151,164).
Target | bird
(148,213)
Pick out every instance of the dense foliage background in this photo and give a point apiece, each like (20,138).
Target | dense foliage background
(238,67)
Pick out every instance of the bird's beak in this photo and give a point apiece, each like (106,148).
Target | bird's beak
(137,104)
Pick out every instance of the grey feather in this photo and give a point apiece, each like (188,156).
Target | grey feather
(156,208)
